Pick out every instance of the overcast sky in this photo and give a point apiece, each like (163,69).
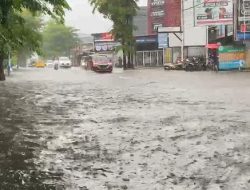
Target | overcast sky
(81,17)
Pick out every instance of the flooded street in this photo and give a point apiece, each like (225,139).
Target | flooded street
(136,130)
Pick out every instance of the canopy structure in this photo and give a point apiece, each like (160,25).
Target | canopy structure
(213,46)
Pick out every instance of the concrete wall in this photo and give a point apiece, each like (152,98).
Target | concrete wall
(196,51)
(174,41)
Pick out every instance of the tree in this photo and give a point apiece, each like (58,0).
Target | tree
(58,39)
(121,12)
(34,23)
(13,31)
(12,37)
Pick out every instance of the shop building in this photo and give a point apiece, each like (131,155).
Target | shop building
(146,44)
(194,38)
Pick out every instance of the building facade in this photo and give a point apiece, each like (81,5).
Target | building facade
(147,53)
(194,38)
(140,22)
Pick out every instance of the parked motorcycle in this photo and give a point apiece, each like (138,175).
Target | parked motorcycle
(195,64)
(200,63)
(178,65)
(169,66)
(189,64)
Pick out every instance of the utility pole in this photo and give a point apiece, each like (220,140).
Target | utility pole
(207,41)
(182,30)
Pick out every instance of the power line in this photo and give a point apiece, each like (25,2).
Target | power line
(193,6)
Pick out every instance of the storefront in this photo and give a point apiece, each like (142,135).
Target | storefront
(147,52)
(146,43)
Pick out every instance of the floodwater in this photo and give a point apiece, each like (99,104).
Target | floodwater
(137,130)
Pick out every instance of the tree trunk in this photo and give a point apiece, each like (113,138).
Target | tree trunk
(129,60)
(124,61)
(132,60)
(2,76)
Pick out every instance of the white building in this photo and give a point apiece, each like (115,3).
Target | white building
(194,37)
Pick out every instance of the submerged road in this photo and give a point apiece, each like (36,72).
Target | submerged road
(137,130)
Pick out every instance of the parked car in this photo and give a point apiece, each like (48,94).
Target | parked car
(101,63)
(50,63)
(40,64)
(64,62)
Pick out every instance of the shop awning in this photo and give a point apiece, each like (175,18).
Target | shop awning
(213,46)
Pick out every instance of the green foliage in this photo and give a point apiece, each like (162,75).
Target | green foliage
(16,29)
(34,23)
(16,32)
(58,39)
(121,12)
(21,37)
(54,8)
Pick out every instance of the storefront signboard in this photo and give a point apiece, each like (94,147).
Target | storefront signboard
(146,39)
(162,40)
(242,20)
(231,57)
(105,46)
(213,12)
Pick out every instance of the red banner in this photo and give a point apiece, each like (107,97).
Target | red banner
(103,36)
(163,13)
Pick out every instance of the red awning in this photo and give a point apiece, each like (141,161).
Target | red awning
(213,46)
